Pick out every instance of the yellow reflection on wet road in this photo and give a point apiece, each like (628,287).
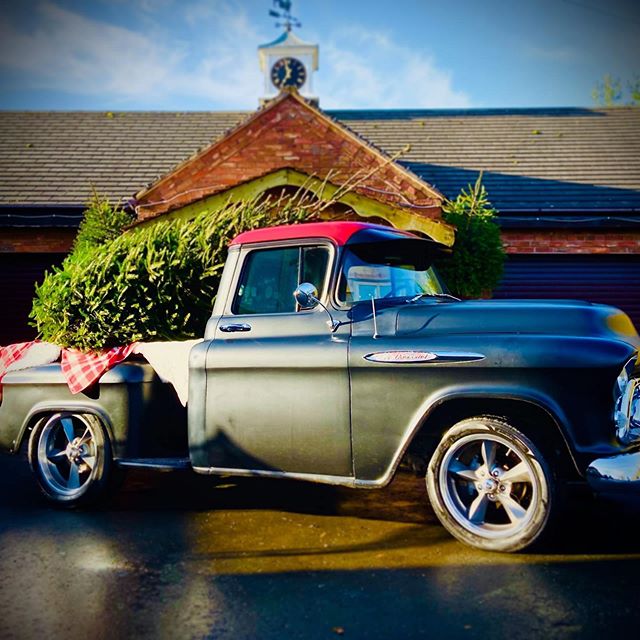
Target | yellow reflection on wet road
(388,529)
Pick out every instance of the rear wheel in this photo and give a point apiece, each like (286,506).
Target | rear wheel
(490,487)
(70,456)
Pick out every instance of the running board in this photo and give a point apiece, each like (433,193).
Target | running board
(159,464)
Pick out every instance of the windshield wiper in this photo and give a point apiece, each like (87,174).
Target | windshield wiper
(440,296)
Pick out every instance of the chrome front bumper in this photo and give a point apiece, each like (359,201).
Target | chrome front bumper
(619,474)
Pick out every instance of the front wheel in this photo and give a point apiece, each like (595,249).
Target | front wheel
(70,456)
(490,487)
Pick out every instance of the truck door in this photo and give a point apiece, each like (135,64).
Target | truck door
(277,383)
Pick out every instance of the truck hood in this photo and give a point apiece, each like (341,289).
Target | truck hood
(558,317)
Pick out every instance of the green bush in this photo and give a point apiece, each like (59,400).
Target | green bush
(475,265)
(150,283)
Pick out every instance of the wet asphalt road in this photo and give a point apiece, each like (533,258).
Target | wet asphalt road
(179,556)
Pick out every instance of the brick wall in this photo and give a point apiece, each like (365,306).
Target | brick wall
(516,241)
(554,241)
(24,240)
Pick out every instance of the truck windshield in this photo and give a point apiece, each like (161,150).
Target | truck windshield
(388,269)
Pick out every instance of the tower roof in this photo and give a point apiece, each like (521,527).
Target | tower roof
(288,43)
(287,39)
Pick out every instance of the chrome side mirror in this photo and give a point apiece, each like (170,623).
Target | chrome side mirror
(306,296)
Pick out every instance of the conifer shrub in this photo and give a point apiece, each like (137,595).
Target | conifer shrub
(102,222)
(149,283)
(476,263)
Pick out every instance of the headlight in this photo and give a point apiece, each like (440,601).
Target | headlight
(626,395)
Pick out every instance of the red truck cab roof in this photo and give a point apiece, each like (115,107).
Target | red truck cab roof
(338,232)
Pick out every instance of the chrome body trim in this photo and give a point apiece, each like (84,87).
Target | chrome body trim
(160,464)
(431,357)
(343,481)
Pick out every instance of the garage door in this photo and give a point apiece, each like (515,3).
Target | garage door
(18,274)
(613,280)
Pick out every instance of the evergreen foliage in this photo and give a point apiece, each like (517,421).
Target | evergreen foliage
(476,263)
(102,223)
(151,283)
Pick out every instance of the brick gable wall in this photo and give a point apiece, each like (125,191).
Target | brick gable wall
(288,134)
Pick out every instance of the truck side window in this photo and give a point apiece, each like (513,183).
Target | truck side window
(313,267)
(270,276)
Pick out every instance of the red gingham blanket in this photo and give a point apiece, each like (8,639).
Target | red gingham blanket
(12,353)
(81,370)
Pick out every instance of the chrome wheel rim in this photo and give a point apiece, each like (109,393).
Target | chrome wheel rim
(67,454)
(489,487)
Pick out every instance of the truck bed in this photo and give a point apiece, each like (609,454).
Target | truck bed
(141,413)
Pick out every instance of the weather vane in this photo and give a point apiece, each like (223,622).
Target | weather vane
(284,13)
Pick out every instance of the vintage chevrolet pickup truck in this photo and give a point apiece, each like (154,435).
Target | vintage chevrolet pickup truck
(334,353)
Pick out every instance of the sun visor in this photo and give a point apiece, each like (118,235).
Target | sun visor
(395,249)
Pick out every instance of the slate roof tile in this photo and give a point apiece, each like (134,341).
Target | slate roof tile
(532,159)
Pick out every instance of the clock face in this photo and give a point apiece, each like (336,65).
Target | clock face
(288,72)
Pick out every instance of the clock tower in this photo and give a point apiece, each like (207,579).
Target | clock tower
(288,61)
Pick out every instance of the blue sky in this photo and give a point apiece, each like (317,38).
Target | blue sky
(201,54)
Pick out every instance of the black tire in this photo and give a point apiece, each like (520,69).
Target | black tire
(70,456)
(490,487)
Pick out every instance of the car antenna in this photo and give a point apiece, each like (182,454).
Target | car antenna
(375,322)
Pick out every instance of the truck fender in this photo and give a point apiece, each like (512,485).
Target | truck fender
(519,394)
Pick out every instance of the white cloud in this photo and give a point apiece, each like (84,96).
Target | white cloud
(368,69)
(69,52)
(76,54)
(206,58)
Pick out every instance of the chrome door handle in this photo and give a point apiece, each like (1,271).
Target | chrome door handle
(233,328)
